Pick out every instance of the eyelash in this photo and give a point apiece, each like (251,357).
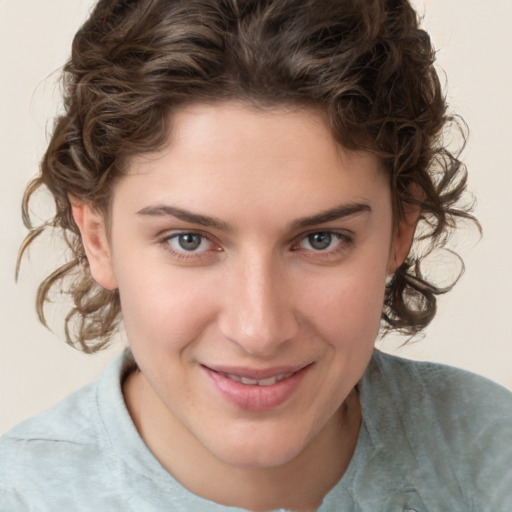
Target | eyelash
(184,254)
(344,240)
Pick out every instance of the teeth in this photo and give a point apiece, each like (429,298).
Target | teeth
(258,382)
(267,382)
(251,382)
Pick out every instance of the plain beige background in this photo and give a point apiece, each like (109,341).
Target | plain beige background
(473,329)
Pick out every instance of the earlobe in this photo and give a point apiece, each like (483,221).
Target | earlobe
(92,228)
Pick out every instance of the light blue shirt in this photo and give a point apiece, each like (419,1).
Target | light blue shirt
(433,438)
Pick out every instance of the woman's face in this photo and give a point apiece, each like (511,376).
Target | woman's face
(250,256)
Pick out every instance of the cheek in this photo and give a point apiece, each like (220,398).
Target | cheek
(163,306)
(347,309)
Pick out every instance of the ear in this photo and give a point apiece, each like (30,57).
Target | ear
(403,237)
(94,237)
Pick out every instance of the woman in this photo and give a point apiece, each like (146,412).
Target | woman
(243,182)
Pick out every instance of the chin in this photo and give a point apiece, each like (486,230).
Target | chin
(260,450)
(257,459)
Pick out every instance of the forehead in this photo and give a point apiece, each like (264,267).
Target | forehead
(230,157)
(223,129)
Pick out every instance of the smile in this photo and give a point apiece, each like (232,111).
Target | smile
(258,382)
(257,390)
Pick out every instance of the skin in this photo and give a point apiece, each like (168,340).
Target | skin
(258,292)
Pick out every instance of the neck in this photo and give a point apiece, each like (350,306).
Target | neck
(299,484)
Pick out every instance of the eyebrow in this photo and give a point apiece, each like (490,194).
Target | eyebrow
(186,216)
(338,212)
(329,215)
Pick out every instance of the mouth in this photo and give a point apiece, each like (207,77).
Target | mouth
(257,376)
(255,389)
(257,382)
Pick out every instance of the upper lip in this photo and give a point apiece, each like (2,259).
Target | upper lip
(257,373)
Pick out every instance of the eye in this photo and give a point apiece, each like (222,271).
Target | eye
(188,242)
(321,241)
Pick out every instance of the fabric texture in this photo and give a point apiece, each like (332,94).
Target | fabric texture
(433,438)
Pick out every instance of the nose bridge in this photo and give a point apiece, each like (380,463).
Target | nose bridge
(259,314)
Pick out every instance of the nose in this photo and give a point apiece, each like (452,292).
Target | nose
(258,307)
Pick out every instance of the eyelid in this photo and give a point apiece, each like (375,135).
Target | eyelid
(172,233)
(164,239)
(342,233)
(345,238)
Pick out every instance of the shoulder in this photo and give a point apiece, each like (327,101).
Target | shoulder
(42,447)
(76,420)
(461,405)
(456,392)
(77,409)
(454,425)
(54,451)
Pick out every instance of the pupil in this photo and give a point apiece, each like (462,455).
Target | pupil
(189,241)
(320,240)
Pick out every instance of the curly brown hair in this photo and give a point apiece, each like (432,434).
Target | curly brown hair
(366,64)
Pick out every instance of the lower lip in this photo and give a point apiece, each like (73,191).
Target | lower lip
(256,398)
